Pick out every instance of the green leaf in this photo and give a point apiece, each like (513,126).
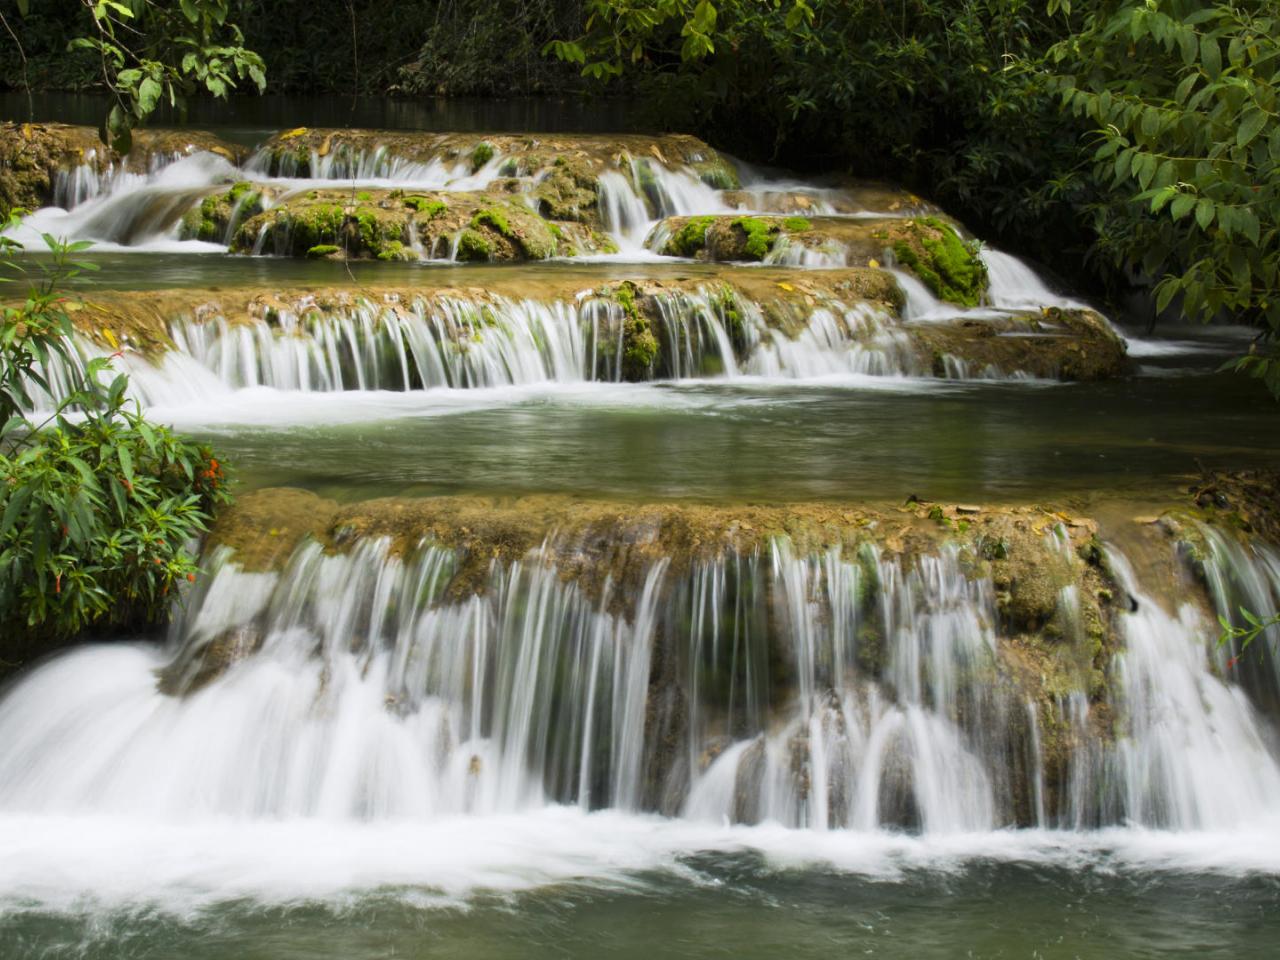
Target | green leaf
(148,96)
(1250,127)
(1210,56)
(1182,204)
(1204,213)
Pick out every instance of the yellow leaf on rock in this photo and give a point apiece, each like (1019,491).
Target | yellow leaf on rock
(295,132)
(873,263)
(110,338)
(787,287)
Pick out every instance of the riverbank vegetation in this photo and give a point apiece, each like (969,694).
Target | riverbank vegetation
(99,509)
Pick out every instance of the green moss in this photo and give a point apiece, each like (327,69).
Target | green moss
(603,242)
(394,250)
(947,265)
(432,208)
(490,217)
(796,225)
(639,345)
(555,231)
(371,229)
(473,246)
(481,155)
(364,196)
(760,236)
(321,250)
(689,239)
(238,190)
(718,174)
(314,225)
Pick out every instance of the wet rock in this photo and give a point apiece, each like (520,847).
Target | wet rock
(393,225)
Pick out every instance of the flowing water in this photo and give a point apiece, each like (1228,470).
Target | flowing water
(775,750)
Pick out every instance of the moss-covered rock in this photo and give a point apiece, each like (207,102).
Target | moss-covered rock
(639,345)
(386,225)
(949,266)
(216,218)
(569,191)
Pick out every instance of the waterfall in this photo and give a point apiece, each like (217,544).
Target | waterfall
(824,689)
(129,210)
(1194,756)
(1012,285)
(448,342)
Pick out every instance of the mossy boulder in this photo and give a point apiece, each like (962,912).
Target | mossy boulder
(842,241)
(387,225)
(569,191)
(945,263)
(217,216)
(638,343)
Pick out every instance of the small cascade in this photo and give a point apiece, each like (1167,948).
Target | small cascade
(882,660)
(787,253)
(836,340)
(129,210)
(454,343)
(91,179)
(1012,285)
(362,694)
(449,342)
(1245,577)
(178,379)
(622,211)
(672,193)
(1193,756)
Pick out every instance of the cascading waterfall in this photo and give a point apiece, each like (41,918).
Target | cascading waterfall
(371,167)
(129,209)
(454,343)
(826,690)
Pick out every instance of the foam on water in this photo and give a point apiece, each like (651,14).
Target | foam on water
(78,864)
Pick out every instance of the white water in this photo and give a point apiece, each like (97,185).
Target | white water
(135,211)
(456,344)
(386,733)
(1013,285)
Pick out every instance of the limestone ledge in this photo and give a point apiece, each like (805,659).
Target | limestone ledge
(1050,343)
